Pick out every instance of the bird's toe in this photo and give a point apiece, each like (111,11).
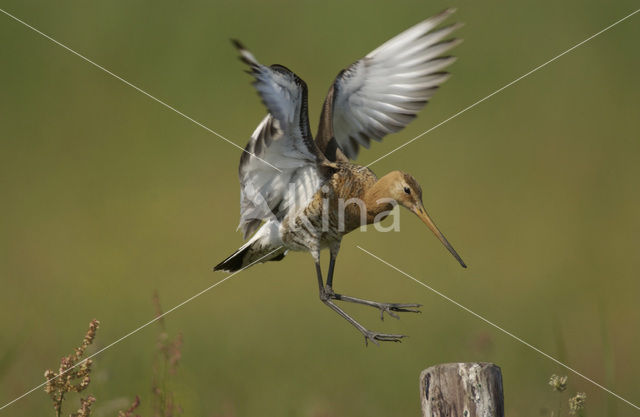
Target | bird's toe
(391,308)
(376,337)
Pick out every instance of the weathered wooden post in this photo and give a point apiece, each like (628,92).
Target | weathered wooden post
(462,390)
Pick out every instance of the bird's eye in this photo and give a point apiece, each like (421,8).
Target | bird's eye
(407,190)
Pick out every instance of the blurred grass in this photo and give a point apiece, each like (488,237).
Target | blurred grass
(107,196)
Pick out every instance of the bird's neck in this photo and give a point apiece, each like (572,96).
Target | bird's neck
(378,200)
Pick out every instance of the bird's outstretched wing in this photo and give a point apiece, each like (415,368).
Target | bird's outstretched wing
(290,177)
(382,92)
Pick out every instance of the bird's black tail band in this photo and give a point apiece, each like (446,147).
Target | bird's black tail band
(244,257)
(234,262)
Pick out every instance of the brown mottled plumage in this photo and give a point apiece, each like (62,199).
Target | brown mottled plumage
(305,195)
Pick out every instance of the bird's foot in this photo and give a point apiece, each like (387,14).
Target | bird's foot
(389,308)
(376,337)
(392,308)
(327,297)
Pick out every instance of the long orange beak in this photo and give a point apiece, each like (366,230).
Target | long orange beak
(422,214)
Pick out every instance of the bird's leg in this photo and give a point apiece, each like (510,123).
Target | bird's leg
(320,281)
(389,308)
(326,295)
(332,264)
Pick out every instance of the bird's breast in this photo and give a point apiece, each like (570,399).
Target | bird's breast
(337,208)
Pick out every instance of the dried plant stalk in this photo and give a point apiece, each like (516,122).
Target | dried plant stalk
(129,411)
(167,357)
(85,407)
(73,375)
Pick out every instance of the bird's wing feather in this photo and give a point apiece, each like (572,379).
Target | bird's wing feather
(382,92)
(283,141)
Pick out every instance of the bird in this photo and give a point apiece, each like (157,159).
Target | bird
(304,194)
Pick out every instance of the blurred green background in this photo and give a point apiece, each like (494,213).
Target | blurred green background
(108,196)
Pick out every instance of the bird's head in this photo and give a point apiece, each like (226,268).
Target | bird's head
(404,189)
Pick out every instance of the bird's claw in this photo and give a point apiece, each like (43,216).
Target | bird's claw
(391,308)
(375,337)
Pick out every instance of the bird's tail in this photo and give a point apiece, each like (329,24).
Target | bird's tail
(233,262)
(262,247)
(244,257)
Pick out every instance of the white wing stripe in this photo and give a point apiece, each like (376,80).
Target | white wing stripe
(382,92)
(412,33)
